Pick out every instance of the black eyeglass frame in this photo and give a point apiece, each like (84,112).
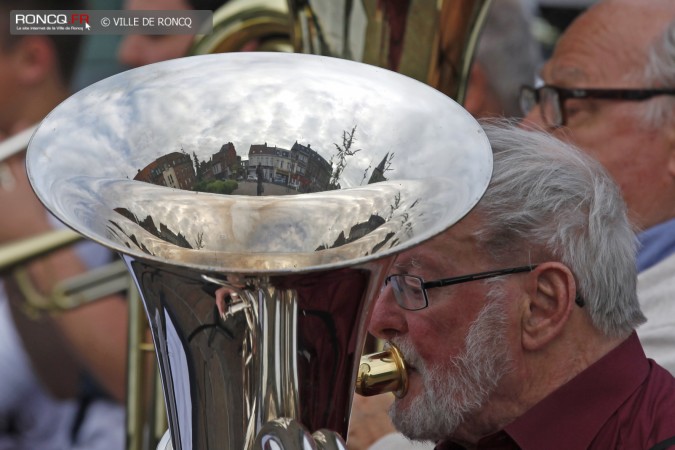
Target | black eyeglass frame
(464,279)
(563,94)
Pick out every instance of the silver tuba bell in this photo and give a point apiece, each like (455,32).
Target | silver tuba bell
(258,303)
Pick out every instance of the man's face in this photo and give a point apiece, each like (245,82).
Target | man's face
(138,50)
(459,348)
(606,48)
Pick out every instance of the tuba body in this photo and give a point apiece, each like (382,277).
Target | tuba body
(258,304)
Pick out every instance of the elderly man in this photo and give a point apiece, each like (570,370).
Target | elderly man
(609,88)
(518,322)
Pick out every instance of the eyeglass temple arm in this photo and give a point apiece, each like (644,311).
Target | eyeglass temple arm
(477,276)
(493,273)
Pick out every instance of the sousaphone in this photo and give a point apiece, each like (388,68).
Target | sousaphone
(258,304)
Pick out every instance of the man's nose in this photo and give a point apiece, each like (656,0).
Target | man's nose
(388,318)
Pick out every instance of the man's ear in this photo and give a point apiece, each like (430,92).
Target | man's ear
(550,300)
(35,59)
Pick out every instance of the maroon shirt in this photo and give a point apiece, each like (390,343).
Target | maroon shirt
(623,401)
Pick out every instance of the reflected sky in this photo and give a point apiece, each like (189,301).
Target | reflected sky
(116,127)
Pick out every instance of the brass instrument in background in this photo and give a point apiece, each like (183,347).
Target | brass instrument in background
(430,41)
(258,305)
(262,25)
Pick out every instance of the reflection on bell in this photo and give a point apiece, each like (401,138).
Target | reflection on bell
(258,303)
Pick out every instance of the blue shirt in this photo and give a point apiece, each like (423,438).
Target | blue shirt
(655,244)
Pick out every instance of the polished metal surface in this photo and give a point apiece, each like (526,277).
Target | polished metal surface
(258,304)
(84,157)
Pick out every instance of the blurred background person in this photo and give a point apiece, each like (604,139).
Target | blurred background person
(64,375)
(137,50)
(508,55)
(623,115)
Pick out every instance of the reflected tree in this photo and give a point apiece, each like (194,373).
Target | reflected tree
(199,241)
(200,167)
(339,160)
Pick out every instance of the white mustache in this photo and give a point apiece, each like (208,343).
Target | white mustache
(410,355)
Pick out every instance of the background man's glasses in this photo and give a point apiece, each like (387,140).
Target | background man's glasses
(551,99)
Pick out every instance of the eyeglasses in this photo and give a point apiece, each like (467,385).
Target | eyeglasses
(551,99)
(410,291)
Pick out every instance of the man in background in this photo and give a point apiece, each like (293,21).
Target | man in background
(619,107)
(507,56)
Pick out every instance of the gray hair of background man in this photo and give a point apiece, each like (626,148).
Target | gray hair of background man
(549,201)
(508,51)
(660,72)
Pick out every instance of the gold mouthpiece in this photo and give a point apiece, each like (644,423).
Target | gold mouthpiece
(382,372)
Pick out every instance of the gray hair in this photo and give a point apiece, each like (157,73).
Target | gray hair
(508,51)
(546,199)
(660,72)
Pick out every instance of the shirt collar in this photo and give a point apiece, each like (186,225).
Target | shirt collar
(571,416)
(656,243)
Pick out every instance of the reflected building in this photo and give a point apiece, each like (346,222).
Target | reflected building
(358,231)
(276,163)
(174,170)
(311,172)
(148,224)
(300,167)
(225,163)
(378,172)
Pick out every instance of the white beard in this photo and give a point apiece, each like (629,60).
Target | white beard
(456,391)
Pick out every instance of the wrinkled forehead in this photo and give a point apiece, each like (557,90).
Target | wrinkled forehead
(607,46)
